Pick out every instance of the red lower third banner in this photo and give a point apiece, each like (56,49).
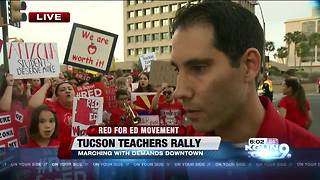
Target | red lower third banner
(136,130)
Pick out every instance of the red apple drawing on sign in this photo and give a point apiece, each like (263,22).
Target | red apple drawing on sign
(92,48)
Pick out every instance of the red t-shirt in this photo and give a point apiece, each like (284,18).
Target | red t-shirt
(118,118)
(294,113)
(170,114)
(64,116)
(274,126)
(53,143)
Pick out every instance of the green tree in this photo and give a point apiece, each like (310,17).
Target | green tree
(297,38)
(282,52)
(288,39)
(269,47)
(314,42)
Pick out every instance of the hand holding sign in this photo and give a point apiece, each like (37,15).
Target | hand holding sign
(9,79)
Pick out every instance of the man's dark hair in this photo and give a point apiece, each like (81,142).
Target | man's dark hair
(235,28)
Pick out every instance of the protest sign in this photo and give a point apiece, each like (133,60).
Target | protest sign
(142,102)
(146,59)
(90,48)
(86,111)
(33,60)
(8,136)
(93,90)
(149,120)
(162,72)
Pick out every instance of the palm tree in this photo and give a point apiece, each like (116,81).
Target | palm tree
(314,42)
(282,52)
(288,40)
(297,38)
(269,47)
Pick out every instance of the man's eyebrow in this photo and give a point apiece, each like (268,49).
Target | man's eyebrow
(197,61)
(173,63)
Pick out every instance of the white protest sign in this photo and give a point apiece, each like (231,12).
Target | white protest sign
(90,48)
(86,111)
(33,60)
(146,59)
(149,120)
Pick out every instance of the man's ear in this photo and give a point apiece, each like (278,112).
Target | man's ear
(252,61)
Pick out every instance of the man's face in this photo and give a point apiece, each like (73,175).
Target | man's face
(211,90)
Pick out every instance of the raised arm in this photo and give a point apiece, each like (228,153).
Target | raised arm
(38,98)
(6,99)
(155,100)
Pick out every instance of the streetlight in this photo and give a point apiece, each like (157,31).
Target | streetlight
(264,32)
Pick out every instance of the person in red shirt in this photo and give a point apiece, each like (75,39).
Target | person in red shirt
(295,106)
(61,105)
(43,129)
(216,49)
(170,110)
(119,116)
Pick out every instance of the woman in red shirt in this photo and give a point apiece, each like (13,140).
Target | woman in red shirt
(43,129)
(294,106)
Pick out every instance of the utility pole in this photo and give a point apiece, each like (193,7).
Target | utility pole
(3,5)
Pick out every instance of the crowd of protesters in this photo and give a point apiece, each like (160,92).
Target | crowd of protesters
(47,103)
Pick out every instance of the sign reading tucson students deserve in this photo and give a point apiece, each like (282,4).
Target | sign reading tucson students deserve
(90,48)
(146,59)
(86,111)
(33,60)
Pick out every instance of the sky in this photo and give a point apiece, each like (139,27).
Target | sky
(108,16)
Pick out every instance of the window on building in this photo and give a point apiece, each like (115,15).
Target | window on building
(140,2)
(156,37)
(183,4)
(196,2)
(165,22)
(148,1)
(131,2)
(139,51)
(165,35)
(139,39)
(171,20)
(147,11)
(174,7)
(147,50)
(156,10)
(139,13)
(131,14)
(165,49)
(130,27)
(130,52)
(165,9)
(156,23)
(147,37)
(140,25)
(131,39)
(308,27)
(147,24)
(155,49)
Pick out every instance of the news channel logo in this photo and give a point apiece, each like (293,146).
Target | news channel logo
(267,148)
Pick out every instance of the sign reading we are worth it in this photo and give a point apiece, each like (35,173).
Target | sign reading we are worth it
(33,60)
(90,48)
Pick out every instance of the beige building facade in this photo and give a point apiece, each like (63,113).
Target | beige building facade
(147,26)
(307,26)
